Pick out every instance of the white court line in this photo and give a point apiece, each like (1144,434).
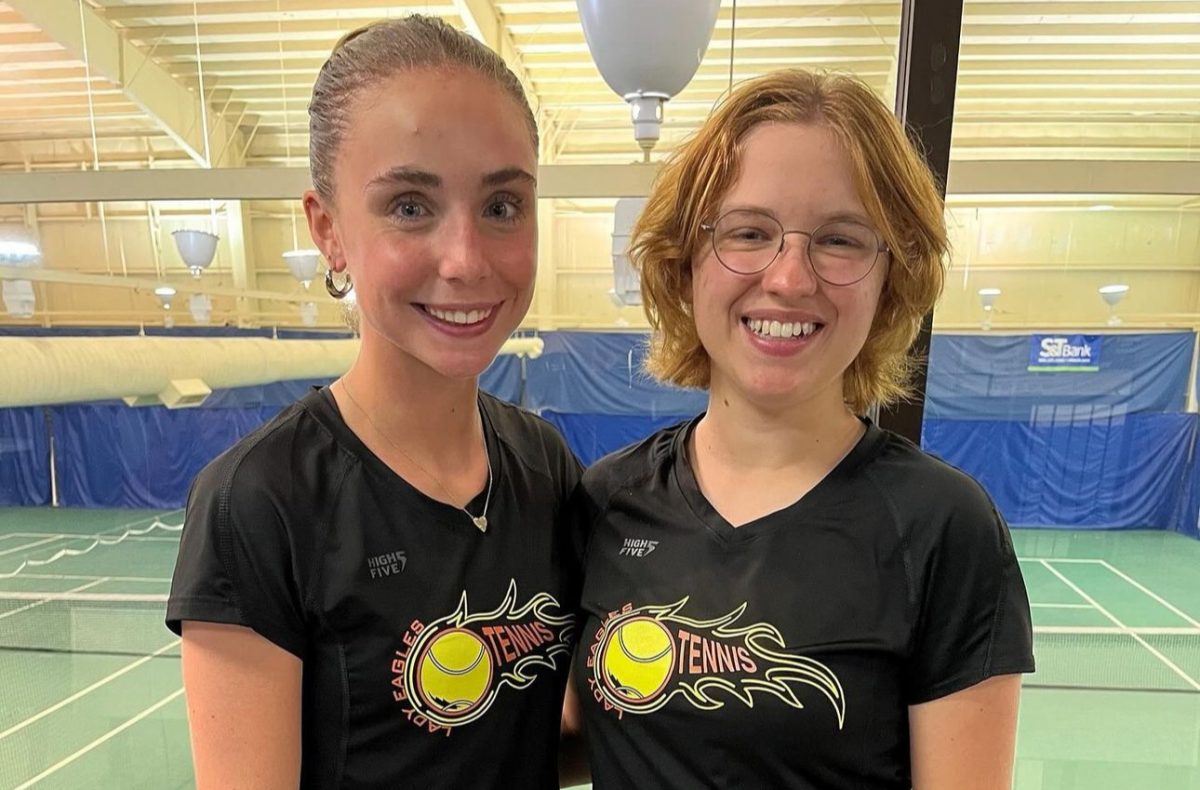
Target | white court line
(19,595)
(127,525)
(82,692)
(105,737)
(99,540)
(36,604)
(1192,682)
(1067,560)
(1175,610)
(49,539)
(1087,630)
(88,536)
(1032,605)
(70,577)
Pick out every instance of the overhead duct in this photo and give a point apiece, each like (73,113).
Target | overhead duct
(45,370)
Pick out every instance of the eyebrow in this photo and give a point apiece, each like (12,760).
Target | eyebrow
(507,176)
(423,178)
(405,175)
(836,216)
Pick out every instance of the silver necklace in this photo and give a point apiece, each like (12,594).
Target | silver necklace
(479,521)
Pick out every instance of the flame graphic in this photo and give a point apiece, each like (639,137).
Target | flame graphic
(781,673)
(521,673)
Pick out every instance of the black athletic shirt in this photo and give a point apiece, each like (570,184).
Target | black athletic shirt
(435,656)
(785,653)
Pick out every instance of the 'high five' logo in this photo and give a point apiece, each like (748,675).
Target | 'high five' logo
(640,658)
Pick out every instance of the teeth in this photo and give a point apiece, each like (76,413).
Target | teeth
(458,316)
(785,329)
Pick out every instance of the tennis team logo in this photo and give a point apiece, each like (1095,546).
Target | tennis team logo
(451,670)
(641,658)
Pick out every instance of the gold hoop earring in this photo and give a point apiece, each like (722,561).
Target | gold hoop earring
(332,287)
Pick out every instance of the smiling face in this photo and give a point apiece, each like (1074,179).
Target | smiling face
(435,216)
(798,174)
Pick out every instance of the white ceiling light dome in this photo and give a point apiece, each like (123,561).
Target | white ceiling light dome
(648,51)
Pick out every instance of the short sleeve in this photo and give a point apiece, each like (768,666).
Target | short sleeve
(974,620)
(235,562)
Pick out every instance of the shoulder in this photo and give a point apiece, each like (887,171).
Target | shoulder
(634,465)
(276,464)
(931,501)
(532,439)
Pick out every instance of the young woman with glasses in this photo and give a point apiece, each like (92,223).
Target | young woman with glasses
(778,593)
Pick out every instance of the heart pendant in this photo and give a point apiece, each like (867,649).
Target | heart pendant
(480,522)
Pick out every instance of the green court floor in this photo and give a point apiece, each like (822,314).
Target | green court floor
(91,695)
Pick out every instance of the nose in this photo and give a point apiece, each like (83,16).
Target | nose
(461,252)
(792,272)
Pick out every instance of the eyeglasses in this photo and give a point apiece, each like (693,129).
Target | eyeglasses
(842,253)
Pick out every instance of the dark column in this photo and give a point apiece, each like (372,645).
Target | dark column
(929,36)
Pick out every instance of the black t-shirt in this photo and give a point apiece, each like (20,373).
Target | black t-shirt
(785,653)
(435,655)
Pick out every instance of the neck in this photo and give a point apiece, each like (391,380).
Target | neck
(749,434)
(427,414)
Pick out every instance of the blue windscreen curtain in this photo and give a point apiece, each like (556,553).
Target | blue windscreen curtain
(1118,473)
(592,387)
(24,457)
(973,377)
(1108,449)
(1104,449)
(1187,517)
(113,456)
(601,373)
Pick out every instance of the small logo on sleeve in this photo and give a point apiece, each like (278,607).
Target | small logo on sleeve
(637,547)
(390,564)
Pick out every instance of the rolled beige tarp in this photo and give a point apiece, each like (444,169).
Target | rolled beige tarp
(177,371)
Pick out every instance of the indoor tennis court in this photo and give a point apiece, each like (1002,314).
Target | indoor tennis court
(160,299)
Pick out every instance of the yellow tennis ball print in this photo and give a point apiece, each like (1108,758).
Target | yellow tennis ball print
(455,672)
(638,658)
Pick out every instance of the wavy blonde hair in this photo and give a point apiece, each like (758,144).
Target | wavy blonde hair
(893,181)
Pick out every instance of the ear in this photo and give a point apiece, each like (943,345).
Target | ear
(687,282)
(320,217)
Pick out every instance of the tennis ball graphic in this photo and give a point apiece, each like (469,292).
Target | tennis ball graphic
(638,658)
(455,672)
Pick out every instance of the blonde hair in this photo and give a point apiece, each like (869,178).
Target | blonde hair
(894,183)
(381,50)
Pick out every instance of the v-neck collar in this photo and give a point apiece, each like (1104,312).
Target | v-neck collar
(324,401)
(684,478)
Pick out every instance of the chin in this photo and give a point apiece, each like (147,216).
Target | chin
(461,366)
(776,386)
